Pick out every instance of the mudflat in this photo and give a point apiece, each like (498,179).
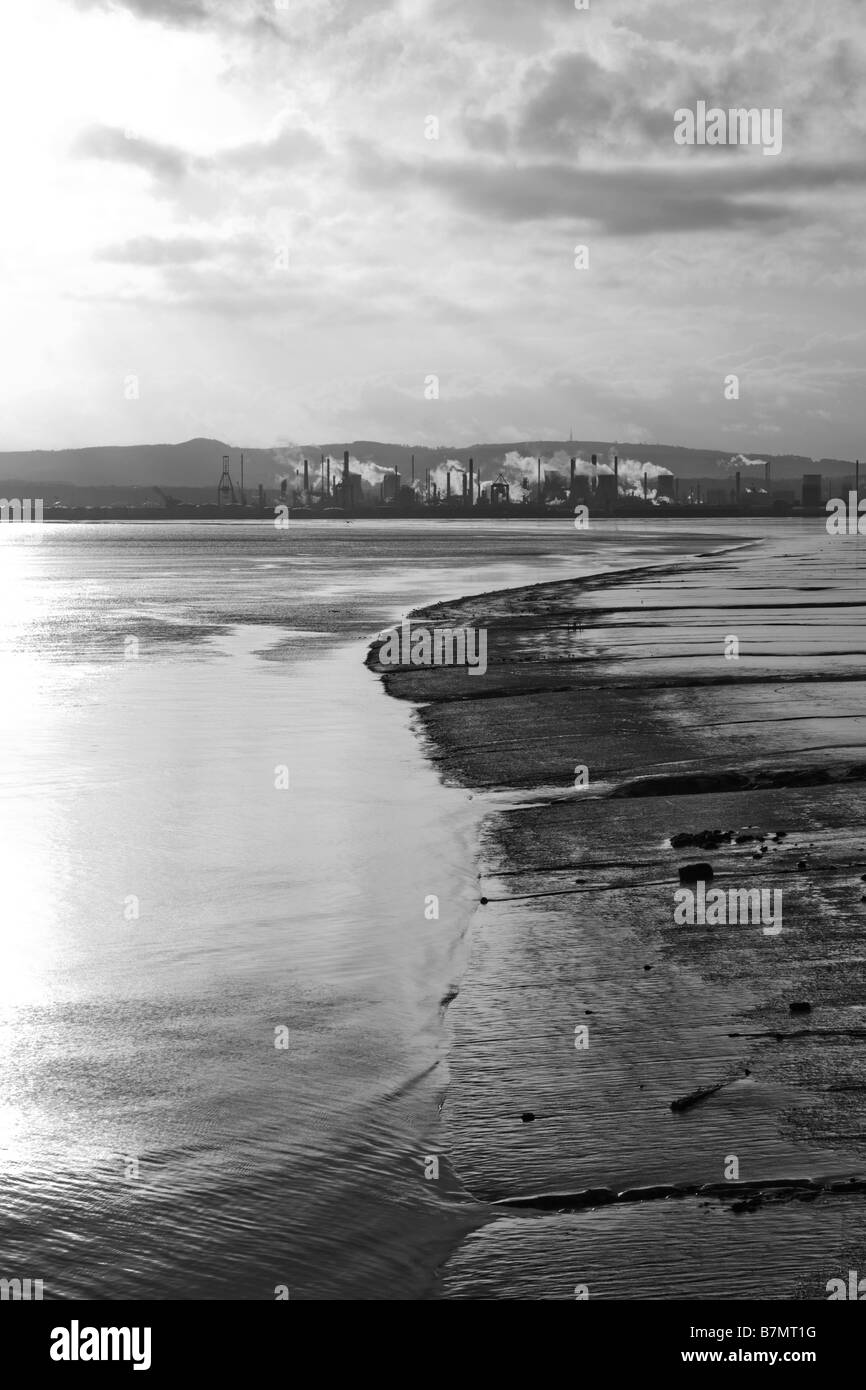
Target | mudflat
(646,1108)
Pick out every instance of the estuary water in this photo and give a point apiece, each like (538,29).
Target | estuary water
(222,988)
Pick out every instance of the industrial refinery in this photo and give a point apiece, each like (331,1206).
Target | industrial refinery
(517,485)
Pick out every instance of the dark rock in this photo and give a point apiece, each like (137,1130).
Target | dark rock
(694,873)
(702,839)
(527,1116)
(800,1006)
(801,864)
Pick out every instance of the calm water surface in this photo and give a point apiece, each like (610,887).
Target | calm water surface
(168,910)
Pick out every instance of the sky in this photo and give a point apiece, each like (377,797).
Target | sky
(280,221)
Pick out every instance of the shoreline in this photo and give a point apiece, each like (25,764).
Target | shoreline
(625,671)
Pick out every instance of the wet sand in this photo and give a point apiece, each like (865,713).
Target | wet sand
(623,1178)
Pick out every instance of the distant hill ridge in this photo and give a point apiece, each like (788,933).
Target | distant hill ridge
(196,463)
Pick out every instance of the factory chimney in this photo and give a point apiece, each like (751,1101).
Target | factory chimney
(347,486)
(594,473)
(448,484)
(737,484)
(306,476)
(571,484)
(644,486)
(261,498)
(472,482)
(539,482)
(616,475)
(328,485)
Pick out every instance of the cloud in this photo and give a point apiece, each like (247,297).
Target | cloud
(292,145)
(696,193)
(180,14)
(151,250)
(249,15)
(119,147)
(568,99)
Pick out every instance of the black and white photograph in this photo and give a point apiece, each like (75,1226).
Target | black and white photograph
(432,665)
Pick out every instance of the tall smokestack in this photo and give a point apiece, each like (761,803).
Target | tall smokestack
(857,478)
(261,497)
(464,488)
(594,473)
(448,484)
(472,482)
(644,486)
(571,483)
(738,486)
(347,486)
(616,475)
(413,471)
(328,489)
(767,472)
(306,476)
(539,482)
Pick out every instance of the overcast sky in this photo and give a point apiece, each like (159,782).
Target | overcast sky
(237,205)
